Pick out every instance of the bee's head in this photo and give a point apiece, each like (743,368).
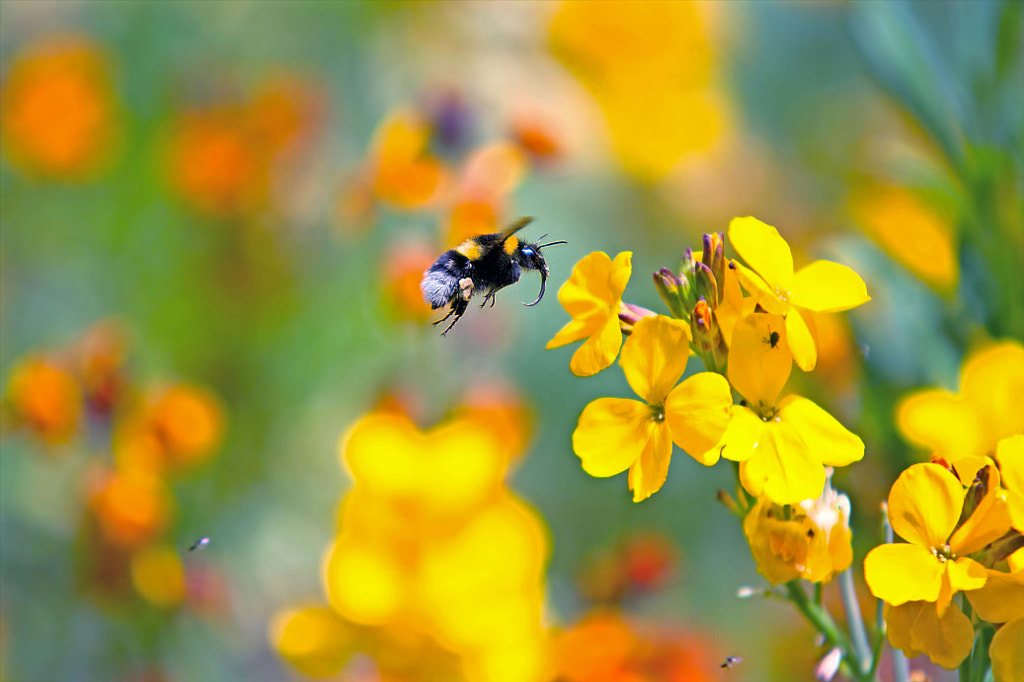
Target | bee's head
(529,257)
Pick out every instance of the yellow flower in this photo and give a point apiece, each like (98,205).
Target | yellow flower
(592,297)
(822,286)
(988,408)
(916,628)
(925,504)
(616,434)
(158,575)
(405,173)
(314,639)
(652,67)
(1007,652)
(911,231)
(782,445)
(811,541)
(1010,455)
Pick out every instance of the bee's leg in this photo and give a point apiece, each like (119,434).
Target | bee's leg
(450,313)
(489,297)
(465,288)
(458,308)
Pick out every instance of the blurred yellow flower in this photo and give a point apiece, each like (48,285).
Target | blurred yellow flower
(45,398)
(592,296)
(653,69)
(314,639)
(988,408)
(616,434)
(910,230)
(158,575)
(404,172)
(820,287)
(58,113)
(782,445)
(810,541)
(1007,652)
(439,565)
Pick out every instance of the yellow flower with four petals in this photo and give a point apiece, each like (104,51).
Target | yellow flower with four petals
(592,296)
(615,434)
(820,287)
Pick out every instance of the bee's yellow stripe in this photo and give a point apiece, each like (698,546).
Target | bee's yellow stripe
(470,249)
(511,244)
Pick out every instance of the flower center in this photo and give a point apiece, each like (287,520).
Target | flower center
(657,413)
(943,553)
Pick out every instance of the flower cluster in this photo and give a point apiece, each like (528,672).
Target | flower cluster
(234,156)
(962,516)
(437,568)
(154,434)
(747,323)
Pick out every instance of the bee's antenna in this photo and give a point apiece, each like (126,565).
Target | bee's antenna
(542,236)
(544,246)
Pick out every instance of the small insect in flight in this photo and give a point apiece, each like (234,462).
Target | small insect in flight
(730,661)
(488,263)
(199,544)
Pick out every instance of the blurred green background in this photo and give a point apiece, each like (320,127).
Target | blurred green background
(276,299)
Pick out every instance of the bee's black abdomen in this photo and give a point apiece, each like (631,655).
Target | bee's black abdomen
(441,280)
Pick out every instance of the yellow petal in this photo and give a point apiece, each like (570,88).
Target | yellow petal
(1010,455)
(764,249)
(840,548)
(925,504)
(611,434)
(759,291)
(992,382)
(943,422)
(731,309)
(1001,599)
(967,468)
(962,574)
(1007,652)
(916,628)
(742,435)
(363,583)
(697,414)
(989,521)
(599,351)
(827,287)
(596,285)
(803,341)
(824,436)
(655,356)
(574,330)
(757,370)
(782,468)
(898,573)
(649,472)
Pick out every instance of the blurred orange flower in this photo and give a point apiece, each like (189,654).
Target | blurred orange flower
(214,165)
(45,398)
(537,137)
(100,357)
(177,427)
(131,506)
(404,265)
(500,408)
(404,172)
(58,112)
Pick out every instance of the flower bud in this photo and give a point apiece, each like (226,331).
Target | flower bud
(714,258)
(670,289)
(705,286)
(630,314)
(704,327)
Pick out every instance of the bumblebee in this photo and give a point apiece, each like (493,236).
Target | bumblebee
(488,263)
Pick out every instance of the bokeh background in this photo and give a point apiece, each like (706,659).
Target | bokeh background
(213,221)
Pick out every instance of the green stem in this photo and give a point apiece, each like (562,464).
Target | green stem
(823,622)
(980,662)
(965,665)
(853,619)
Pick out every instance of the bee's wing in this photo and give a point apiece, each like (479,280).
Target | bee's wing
(517,225)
